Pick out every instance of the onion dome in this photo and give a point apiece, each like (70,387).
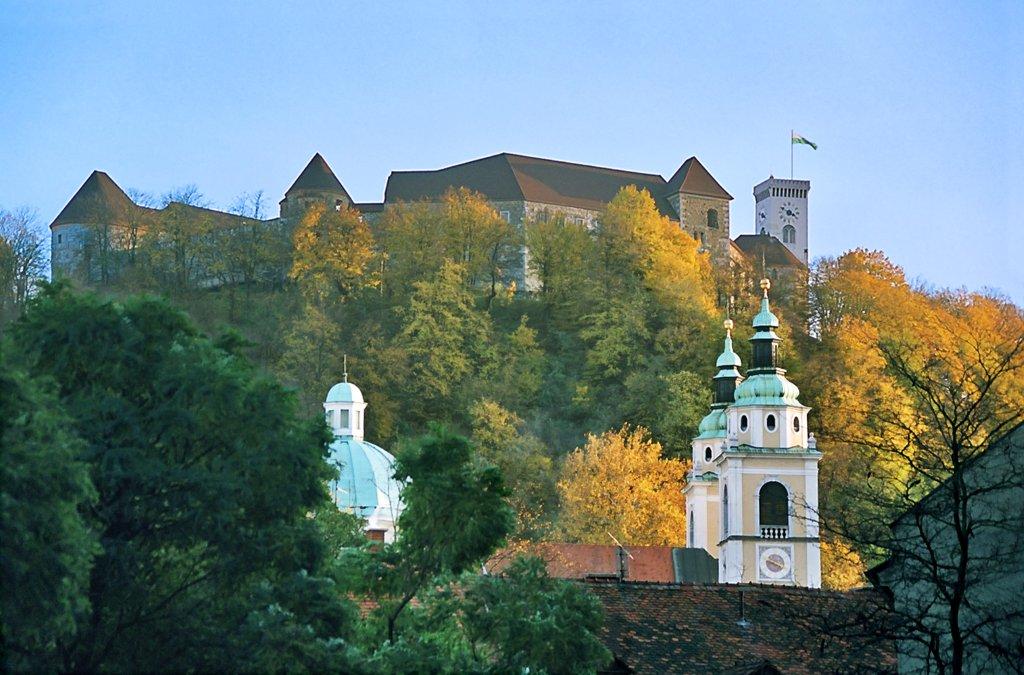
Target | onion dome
(766,383)
(714,423)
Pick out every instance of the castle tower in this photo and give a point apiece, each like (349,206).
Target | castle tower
(316,183)
(780,209)
(703,206)
(99,202)
(701,491)
(768,474)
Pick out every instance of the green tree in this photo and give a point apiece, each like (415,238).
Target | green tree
(46,546)
(455,516)
(204,478)
(525,621)
(501,439)
(447,341)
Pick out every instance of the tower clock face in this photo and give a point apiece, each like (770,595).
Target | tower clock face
(775,563)
(788,213)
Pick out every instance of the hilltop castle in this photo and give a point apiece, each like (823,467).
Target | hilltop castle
(519,188)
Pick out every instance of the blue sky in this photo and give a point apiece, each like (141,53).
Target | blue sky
(917,108)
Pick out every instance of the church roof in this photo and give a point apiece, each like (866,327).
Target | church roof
(764,246)
(511,177)
(719,628)
(365,484)
(318,176)
(693,178)
(344,392)
(99,200)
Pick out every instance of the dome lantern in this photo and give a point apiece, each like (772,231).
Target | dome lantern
(344,408)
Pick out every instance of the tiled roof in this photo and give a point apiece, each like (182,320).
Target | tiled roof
(685,628)
(693,178)
(773,251)
(579,561)
(99,200)
(318,176)
(510,177)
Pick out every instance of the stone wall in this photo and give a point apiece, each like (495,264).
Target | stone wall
(694,219)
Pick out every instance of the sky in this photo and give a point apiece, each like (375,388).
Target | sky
(917,107)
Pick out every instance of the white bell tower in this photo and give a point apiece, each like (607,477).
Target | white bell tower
(780,210)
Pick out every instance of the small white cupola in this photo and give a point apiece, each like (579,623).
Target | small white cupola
(344,408)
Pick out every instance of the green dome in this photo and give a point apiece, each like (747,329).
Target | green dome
(728,357)
(767,389)
(713,425)
(765,318)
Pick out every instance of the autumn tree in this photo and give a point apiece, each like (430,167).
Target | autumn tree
(174,246)
(919,385)
(560,254)
(333,253)
(619,484)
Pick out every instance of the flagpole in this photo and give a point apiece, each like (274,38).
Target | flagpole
(791,154)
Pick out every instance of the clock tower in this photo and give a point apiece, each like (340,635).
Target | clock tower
(768,474)
(780,209)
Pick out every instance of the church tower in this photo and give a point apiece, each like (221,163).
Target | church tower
(780,210)
(701,491)
(768,474)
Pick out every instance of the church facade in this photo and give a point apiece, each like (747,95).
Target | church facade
(518,187)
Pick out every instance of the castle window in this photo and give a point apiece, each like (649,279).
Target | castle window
(713,218)
(743,422)
(59,238)
(773,510)
(506,216)
(796,423)
(707,454)
(789,234)
(769,422)
(337,205)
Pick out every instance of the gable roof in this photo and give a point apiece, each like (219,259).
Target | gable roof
(685,628)
(774,252)
(511,177)
(99,200)
(318,176)
(693,178)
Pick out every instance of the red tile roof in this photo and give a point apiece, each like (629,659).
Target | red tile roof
(510,177)
(683,628)
(579,561)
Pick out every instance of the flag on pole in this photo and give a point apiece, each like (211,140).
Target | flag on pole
(797,138)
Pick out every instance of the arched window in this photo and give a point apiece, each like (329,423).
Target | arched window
(725,510)
(796,423)
(773,510)
(743,422)
(769,422)
(713,218)
(789,234)
(707,454)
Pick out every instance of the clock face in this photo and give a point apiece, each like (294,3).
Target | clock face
(788,213)
(775,563)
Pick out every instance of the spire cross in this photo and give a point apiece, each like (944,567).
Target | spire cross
(765,285)
(344,368)
(728,327)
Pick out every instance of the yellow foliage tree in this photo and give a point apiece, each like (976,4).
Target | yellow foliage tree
(333,252)
(841,566)
(635,238)
(620,484)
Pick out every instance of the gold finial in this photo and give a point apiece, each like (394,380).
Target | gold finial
(728,327)
(765,285)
